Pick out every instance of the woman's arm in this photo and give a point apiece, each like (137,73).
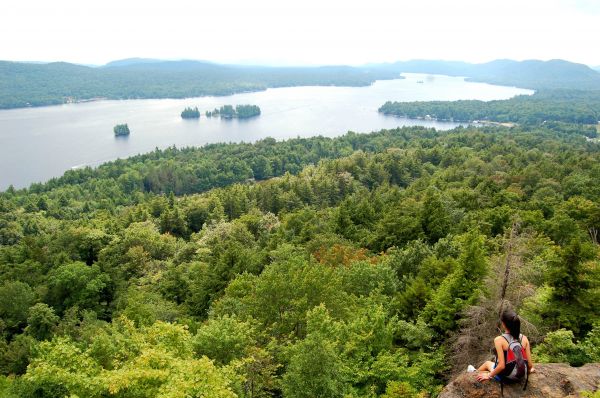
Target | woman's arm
(527,347)
(500,355)
(500,366)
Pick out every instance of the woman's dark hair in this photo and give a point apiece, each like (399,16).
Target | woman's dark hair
(512,322)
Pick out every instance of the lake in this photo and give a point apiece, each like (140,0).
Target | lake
(40,143)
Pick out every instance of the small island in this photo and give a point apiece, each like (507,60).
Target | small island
(240,111)
(190,113)
(121,129)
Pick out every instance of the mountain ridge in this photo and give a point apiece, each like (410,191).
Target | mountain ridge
(38,84)
(533,74)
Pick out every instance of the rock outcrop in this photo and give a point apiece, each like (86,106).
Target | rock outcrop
(552,380)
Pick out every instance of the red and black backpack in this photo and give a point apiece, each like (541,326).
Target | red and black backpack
(515,360)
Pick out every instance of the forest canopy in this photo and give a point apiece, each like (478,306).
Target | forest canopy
(329,267)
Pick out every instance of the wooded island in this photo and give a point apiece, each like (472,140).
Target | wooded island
(190,113)
(240,111)
(121,129)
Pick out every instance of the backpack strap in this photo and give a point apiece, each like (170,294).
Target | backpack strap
(509,338)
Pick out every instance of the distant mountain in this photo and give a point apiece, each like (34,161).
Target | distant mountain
(26,84)
(532,74)
(131,61)
(539,74)
(32,84)
(436,67)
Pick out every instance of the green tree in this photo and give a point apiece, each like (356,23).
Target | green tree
(15,299)
(315,368)
(15,356)
(41,321)
(259,371)
(460,288)
(573,296)
(224,339)
(435,217)
(77,284)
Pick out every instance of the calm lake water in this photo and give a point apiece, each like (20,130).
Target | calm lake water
(39,143)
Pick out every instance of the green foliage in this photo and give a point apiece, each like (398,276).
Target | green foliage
(555,106)
(121,129)
(259,372)
(362,278)
(157,361)
(460,288)
(227,111)
(591,344)
(341,274)
(240,111)
(77,284)
(436,221)
(6,387)
(572,277)
(224,339)
(144,306)
(315,368)
(588,394)
(397,389)
(190,113)
(15,299)
(285,291)
(41,321)
(246,111)
(15,356)
(28,84)
(558,346)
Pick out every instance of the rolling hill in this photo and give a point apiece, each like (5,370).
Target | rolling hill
(27,84)
(533,74)
(34,84)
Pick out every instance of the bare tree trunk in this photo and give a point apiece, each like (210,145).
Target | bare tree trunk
(502,289)
(509,255)
(593,234)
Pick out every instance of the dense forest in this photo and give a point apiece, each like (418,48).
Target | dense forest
(358,266)
(569,106)
(23,85)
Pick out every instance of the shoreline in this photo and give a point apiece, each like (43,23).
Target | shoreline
(72,100)
(469,122)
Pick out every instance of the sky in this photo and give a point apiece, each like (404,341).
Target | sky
(307,32)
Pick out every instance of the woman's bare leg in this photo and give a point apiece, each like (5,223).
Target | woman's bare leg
(487,366)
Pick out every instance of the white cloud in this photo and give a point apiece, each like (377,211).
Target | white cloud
(306,32)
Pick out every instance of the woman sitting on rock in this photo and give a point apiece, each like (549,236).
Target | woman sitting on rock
(513,354)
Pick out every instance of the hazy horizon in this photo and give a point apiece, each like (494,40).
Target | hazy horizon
(280,64)
(268,32)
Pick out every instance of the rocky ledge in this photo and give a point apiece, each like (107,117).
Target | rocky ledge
(551,380)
